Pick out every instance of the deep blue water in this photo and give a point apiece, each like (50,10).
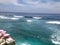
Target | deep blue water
(30,31)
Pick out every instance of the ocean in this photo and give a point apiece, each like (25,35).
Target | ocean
(32,30)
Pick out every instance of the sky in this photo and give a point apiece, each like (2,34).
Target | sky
(32,6)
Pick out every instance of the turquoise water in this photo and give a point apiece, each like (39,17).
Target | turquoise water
(35,32)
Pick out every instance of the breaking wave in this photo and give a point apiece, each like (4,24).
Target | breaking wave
(55,38)
(37,17)
(18,16)
(53,22)
(9,18)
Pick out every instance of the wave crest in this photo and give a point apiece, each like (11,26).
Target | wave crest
(37,17)
(11,18)
(53,22)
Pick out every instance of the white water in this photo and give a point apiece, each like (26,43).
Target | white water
(55,38)
(53,22)
(11,18)
(37,17)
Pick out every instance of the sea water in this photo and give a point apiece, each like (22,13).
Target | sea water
(31,31)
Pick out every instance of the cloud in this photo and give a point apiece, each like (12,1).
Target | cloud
(56,0)
(32,5)
(8,1)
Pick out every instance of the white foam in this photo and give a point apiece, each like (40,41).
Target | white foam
(29,20)
(37,17)
(24,44)
(53,22)
(11,18)
(3,17)
(55,39)
(14,18)
(18,16)
(55,42)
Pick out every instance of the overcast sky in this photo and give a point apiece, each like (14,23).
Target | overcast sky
(34,6)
